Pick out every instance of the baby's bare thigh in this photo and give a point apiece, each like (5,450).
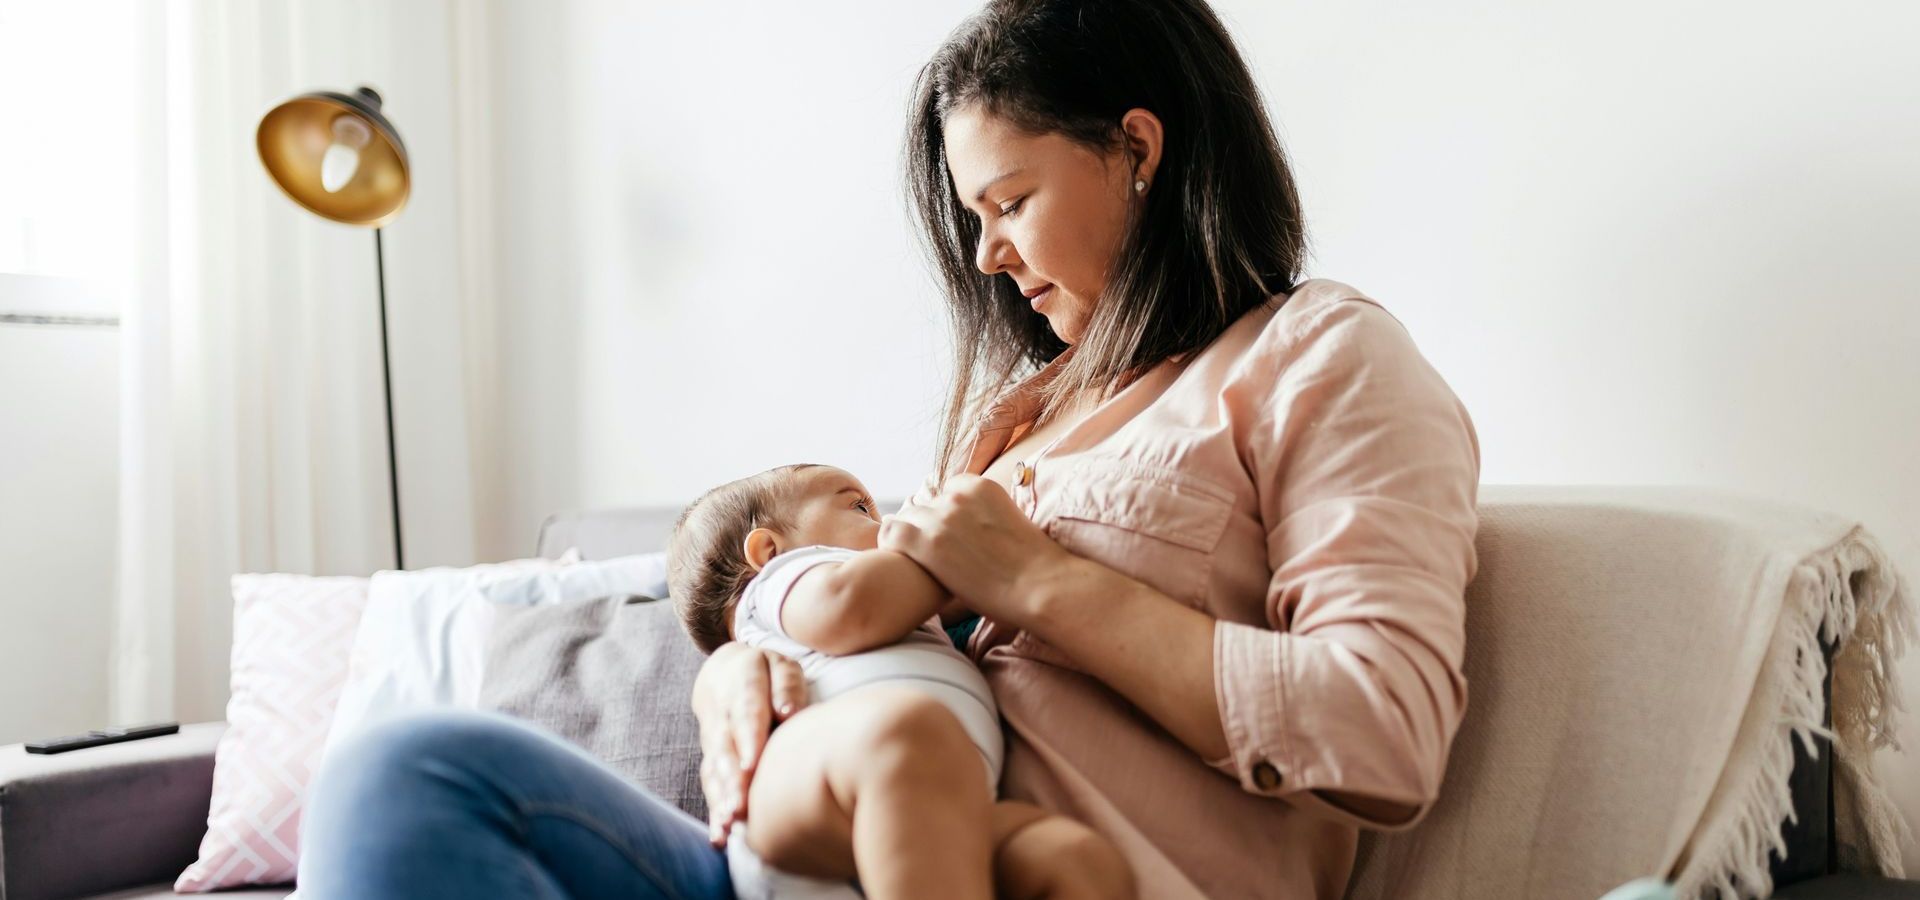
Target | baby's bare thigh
(794,821)
(800,804)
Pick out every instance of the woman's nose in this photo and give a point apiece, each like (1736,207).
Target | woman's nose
(994,255)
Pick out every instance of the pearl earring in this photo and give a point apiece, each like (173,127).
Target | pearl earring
(1139,187)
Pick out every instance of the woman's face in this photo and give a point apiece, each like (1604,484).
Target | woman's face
(1052,212)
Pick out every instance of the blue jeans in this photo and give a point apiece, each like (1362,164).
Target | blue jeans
(463,804)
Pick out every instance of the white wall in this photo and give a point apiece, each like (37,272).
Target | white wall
(1645,242)
(703,253)
(58,444)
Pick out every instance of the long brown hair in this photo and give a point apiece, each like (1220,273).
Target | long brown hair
(1220,232)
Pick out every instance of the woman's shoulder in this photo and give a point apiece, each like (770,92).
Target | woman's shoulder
(1317,318)
(1317,299)
(1351,359)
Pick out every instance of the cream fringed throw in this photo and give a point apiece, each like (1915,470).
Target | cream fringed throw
(1638,659)
(1847,592)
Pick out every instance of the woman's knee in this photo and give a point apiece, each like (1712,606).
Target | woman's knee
(396,755)
(412,735)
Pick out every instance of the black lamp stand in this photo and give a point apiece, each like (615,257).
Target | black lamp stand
(386,382)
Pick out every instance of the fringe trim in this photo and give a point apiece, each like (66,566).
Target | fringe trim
(1851,595)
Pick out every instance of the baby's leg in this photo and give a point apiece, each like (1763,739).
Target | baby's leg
(884,782)
(1038,854)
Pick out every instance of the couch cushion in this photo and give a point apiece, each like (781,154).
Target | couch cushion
(614,676)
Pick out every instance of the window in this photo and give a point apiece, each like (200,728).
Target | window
(67,142)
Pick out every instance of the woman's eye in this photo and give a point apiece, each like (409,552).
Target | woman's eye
(1013,207)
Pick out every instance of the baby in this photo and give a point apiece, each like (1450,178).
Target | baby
(889,773)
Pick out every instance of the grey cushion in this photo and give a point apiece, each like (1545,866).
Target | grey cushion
(614,676)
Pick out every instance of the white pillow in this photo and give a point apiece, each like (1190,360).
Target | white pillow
(422,640)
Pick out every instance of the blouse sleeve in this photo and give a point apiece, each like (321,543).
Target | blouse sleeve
(1367,468)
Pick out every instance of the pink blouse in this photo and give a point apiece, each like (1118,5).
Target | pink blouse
(1309,481)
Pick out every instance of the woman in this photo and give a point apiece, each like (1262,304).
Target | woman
(1218,542)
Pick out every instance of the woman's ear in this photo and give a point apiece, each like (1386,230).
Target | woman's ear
(1144,138)
(760,546)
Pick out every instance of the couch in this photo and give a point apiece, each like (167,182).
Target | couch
(122,821)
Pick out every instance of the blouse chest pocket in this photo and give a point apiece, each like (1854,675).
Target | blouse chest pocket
(1159,526)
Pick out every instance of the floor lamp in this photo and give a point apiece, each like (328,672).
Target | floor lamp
(338,156)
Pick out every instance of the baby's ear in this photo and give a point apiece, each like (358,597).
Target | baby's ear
(760,546)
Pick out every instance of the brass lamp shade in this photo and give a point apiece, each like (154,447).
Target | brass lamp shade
(294,138)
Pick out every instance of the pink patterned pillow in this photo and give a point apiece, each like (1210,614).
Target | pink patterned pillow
(291,636)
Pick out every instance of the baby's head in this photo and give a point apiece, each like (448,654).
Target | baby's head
(727,535)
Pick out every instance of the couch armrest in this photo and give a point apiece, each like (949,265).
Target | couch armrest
(90,821)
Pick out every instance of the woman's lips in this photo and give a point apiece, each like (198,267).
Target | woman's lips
(1037,299)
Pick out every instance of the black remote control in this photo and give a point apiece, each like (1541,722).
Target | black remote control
(102,736)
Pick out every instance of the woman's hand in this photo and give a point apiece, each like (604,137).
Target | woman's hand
(738,695)
(977,543)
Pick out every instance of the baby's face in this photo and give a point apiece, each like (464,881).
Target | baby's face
(834,508)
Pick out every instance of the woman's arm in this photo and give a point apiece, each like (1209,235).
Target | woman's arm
(1156,652)
(1149,647)
(1346,698)
(873,599)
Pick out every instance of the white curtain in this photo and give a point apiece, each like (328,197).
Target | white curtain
(253,437)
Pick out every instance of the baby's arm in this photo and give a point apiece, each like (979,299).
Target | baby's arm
(871,600)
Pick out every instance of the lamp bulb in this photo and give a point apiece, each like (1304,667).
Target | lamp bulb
(337,167)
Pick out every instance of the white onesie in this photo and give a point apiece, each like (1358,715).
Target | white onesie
(924,660)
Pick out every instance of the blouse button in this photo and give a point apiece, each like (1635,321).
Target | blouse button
(1022,474)
(1266,776)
